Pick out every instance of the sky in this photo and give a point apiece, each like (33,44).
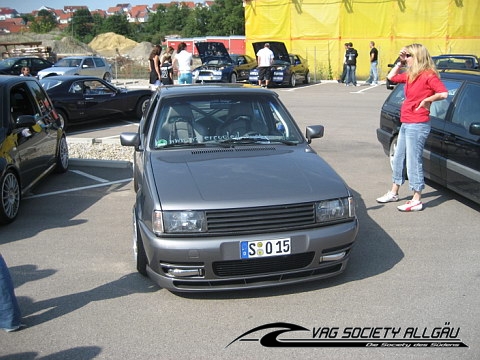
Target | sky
(27,6)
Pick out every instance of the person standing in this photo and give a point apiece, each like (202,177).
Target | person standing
(10,316)
(166,71)
(351,61)
(373,76)
(182,64)
(154,67)
(25,71)
(422,87)
(344,72)
(265,58)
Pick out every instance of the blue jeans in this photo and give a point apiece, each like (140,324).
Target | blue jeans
(351,77)
(185,78)
(10,316)
(410,143)
(373,76)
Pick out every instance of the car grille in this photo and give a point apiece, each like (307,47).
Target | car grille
(261,219)
(262,266)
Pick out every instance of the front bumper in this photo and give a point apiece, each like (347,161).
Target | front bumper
(212,264)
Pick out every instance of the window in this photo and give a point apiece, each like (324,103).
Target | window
(99,62)
(88,62)
(439,108)
(467,108)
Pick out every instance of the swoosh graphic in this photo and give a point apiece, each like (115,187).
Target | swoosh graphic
(270,339)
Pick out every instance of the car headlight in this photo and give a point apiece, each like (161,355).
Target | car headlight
(179,222)
(280,68)
(334,210)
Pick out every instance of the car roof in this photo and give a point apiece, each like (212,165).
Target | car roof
(472,74)
(12,79)
(72,77)
(213,89)
(24,57)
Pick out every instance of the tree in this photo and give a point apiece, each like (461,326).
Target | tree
(118,24)
(44,22)
(227,18)
(81,25)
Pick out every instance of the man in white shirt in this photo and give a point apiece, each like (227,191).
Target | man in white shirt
(182,63)
(264,61)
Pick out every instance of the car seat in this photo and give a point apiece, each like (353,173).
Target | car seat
(241,121)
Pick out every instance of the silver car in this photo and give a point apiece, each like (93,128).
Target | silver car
(79,65)
(230,195)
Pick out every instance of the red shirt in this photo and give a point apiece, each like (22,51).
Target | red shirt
(425,85)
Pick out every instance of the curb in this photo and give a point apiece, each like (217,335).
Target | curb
(111,164)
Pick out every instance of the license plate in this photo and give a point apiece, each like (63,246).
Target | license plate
(256,249)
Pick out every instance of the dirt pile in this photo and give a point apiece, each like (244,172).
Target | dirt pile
(111,44)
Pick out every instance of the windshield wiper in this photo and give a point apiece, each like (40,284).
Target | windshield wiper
(180,144)
(256,140)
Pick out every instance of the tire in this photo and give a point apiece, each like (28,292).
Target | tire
(141,106)
(107,77)
(233,78)
(139,250)
(293,80)
(391,153)
(62,156)
(63,119)
(307,78)
(10,197)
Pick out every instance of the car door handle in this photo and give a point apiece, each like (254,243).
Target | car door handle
(449,140)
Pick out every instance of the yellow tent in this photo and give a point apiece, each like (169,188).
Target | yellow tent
(318,29)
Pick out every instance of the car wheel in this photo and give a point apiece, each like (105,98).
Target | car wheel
(63,119)
(107,77)
(138,249)
(307,78)
(10,200)
(391,154)
(293,80)
(62,156)
(233,78)
(142,106)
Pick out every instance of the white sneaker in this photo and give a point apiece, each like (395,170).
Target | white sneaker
(388,197)
(411,205)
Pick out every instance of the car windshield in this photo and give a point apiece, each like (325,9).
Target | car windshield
(50,82)
(454,62)
(7,63)
(66,62)
(222,121)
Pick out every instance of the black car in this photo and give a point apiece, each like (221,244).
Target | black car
(452,152)
(81,99)
(32,141)
(456,61)
(287,69)
(220,66)
(13,66)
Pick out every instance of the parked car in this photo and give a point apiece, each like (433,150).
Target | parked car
(79,65)
(82,99)
(446,61)
(230,195)
(452,151)
(32,141)
(456,61)
(287,69)
(14,65)
(219,66)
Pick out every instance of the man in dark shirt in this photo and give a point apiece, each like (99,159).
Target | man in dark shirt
(373,77)
(351,61)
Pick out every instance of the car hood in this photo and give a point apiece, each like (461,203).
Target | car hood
(59,70)
(212,50)
(279,49)
(242,177)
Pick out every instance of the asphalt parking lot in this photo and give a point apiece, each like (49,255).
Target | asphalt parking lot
(69,253)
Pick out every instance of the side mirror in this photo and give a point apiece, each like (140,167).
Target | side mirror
(314,132)
(130,139)
(24,121)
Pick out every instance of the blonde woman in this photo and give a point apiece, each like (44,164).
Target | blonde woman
(422,87)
